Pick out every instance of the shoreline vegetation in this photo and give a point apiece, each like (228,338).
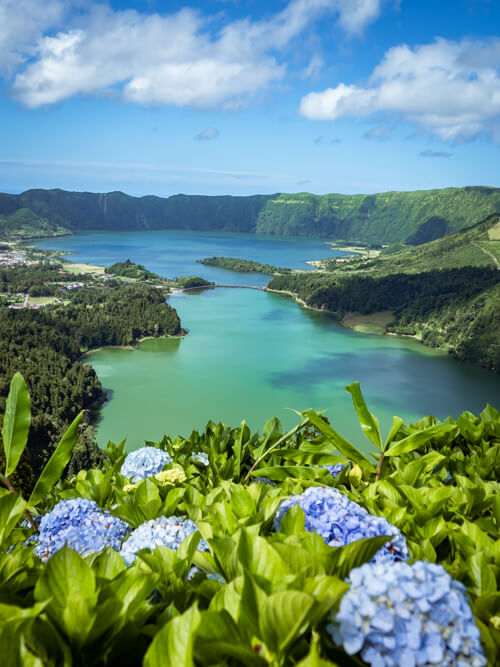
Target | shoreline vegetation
(243,265)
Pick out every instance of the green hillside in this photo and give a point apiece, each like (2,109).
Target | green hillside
(446,292)
(478,245)
(413,217)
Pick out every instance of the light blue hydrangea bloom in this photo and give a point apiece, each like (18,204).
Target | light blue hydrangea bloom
(82,525)
(341,521)
(335,469)
(201,457)
(163,531)
(398,614)
(144,462)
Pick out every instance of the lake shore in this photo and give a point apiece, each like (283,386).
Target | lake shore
(131,346)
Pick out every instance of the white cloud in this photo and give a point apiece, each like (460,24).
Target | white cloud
(174,59)
(451,89)
(207,134)
(22,24)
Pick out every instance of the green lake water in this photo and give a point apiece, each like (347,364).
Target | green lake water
(251,354)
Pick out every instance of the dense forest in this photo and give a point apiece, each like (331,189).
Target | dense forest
(46,346)
(415,217)
(128,269)
(453,308)
(242,265)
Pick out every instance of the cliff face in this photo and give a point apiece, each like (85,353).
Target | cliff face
(382,218)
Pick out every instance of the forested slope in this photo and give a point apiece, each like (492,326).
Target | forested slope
(415,217)
(46,346)
(455,307)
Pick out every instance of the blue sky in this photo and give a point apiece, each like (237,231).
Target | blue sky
(245,96)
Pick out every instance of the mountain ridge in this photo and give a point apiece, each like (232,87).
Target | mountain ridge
(414,216)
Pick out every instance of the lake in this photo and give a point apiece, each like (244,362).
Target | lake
(251,354)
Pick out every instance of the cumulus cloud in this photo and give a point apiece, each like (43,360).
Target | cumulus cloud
(22,24)
(450,89)
(207,134)
(176,59)
(429,153)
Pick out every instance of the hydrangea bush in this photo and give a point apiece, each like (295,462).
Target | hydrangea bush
(406,615)
(341,521)
(280,598)
(80,524)
(144,462)
(167,532)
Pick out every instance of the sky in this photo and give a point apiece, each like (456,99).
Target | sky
(249,96)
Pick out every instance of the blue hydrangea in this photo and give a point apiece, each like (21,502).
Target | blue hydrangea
(163,531)
(341,521)
(201,457)
(335,469)
(264,480)
(81,525)
(399,614)
(144,462)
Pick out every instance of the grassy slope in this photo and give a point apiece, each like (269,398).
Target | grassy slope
(381,218)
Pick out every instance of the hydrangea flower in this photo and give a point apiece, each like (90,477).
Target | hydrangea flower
(263,480)
(163,531)
(174,476)
(201,457)
(341,521)
(144,462)
(335,469)
(399,614)
(81,525)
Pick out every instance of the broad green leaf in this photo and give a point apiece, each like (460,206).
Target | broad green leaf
(14,621)
(219,636)
(173,645)
(147,497)
(482,576)
(52,472)
(12,507)
(416,440)
(69,585)
(343,559)
(397,422)
(294,521)
(344,447)
(313,658)
(369,423)
(256,555)
(280,473)
(16,423)
(284,618)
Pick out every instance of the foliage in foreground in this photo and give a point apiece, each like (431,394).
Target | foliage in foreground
(260,596)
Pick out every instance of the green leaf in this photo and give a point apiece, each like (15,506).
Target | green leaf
(416,440)
(294,521)
(52,472)
(218,636)
(397,422)
(344,559)
(482,575)
(12,507)
(173,645)
(69,585)
(147,497)
(313,658)
(16,423)
(344,447)
(369,423)
(284,618)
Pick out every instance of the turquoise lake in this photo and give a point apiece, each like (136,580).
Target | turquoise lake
(251,354)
